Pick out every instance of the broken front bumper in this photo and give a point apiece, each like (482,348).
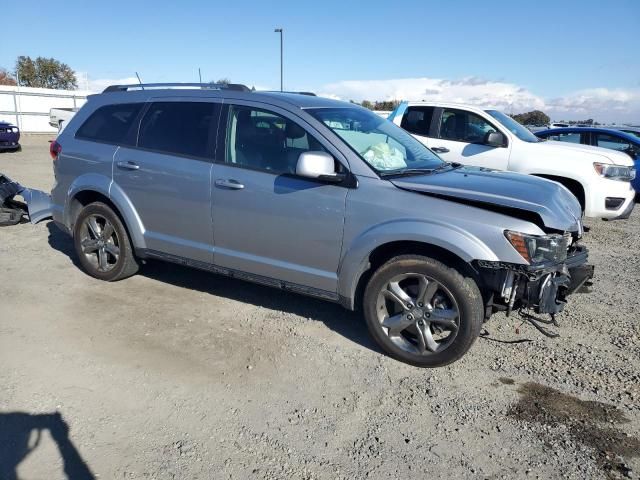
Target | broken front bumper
(543,289)
(36,205)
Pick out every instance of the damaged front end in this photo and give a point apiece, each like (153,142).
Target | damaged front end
(36,205)
(540,288)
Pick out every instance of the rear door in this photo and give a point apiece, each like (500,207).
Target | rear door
(167,176)
(460,137)
(268,222)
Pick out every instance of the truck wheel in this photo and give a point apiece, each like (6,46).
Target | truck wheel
(102,244)
(422,312)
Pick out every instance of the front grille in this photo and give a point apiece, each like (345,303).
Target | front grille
(2,130)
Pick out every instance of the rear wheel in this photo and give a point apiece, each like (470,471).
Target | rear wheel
(102,244)
(422,312)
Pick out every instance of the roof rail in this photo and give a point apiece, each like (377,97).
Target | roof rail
(310,94)
(212,86)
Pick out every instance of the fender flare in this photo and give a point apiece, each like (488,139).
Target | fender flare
(355,260)
(103,185)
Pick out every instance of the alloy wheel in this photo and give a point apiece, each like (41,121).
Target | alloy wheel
(100,242)
(418,314)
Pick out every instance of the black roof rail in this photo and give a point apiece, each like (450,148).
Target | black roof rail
(213,86)
(310,94)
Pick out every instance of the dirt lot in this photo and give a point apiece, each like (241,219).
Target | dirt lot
(177,373)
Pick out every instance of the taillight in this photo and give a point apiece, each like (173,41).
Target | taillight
(55,149)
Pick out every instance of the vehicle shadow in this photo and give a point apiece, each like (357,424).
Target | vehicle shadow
(20,435)
(348,324)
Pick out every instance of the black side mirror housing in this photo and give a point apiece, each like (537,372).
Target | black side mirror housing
(494,139)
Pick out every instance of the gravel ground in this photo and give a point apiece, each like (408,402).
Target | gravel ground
(177,373)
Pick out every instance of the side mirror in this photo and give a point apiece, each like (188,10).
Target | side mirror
(494,139)
(318,165)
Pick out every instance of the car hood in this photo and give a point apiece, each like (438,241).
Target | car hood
(610,156)
(507,192)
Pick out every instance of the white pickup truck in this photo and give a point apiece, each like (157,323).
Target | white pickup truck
(59,117)
(599,178)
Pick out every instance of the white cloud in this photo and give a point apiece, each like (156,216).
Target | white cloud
(618,105)
(85,82)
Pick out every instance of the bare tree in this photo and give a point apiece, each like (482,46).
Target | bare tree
(6,78)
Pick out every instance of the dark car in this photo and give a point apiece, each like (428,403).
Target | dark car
(610,138)
(9,136)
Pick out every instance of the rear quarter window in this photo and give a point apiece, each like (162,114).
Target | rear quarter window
(110,124)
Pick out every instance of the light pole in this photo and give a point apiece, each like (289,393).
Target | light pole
(280,31)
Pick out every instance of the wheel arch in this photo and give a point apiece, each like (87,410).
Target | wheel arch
(451,247)
(80,196)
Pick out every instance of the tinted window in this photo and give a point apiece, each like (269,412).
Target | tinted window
(110,123)
(263,140)
(570,137)
(612,142)
(417,120)
(464,126)
(184,128)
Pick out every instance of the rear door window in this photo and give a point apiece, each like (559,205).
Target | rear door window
(182,128)
(111,124)
(462,126)
(417,120)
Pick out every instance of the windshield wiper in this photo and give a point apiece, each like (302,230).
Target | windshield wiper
(407,172)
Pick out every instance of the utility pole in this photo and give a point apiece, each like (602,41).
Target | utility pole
(280,31)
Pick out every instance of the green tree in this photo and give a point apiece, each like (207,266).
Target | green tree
(45,73)
(367,104)
(6,78)
(536,117)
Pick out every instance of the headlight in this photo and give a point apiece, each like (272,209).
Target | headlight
(615,172)
(14,129)
(537,249)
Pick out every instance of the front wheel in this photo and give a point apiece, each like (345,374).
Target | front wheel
(422,312)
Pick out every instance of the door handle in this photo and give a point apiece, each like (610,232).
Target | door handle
(229,183)
(440,149)
(128,165)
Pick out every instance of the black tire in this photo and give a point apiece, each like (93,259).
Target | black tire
(460,292)
(119,266)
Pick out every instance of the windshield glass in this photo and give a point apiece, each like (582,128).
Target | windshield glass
(514,127)
(379,142)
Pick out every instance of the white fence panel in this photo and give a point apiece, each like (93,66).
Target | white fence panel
(28,108)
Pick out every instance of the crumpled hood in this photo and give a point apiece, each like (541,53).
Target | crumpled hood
(556,206)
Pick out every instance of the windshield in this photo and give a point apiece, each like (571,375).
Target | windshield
(514,127)
(382,144)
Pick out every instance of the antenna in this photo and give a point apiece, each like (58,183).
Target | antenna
(199,75)
(140,81)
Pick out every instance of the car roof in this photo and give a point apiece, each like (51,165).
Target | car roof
(611,131)
(297,99)
(450,105)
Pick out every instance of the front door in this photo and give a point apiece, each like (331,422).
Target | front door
(460,137)
(268,222)
(167,176)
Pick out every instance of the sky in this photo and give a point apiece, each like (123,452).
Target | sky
(571,59)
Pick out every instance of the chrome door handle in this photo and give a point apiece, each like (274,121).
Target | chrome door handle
(128,165)
(440,149)
(230,183)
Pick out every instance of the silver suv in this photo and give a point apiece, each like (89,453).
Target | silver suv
(318,197)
